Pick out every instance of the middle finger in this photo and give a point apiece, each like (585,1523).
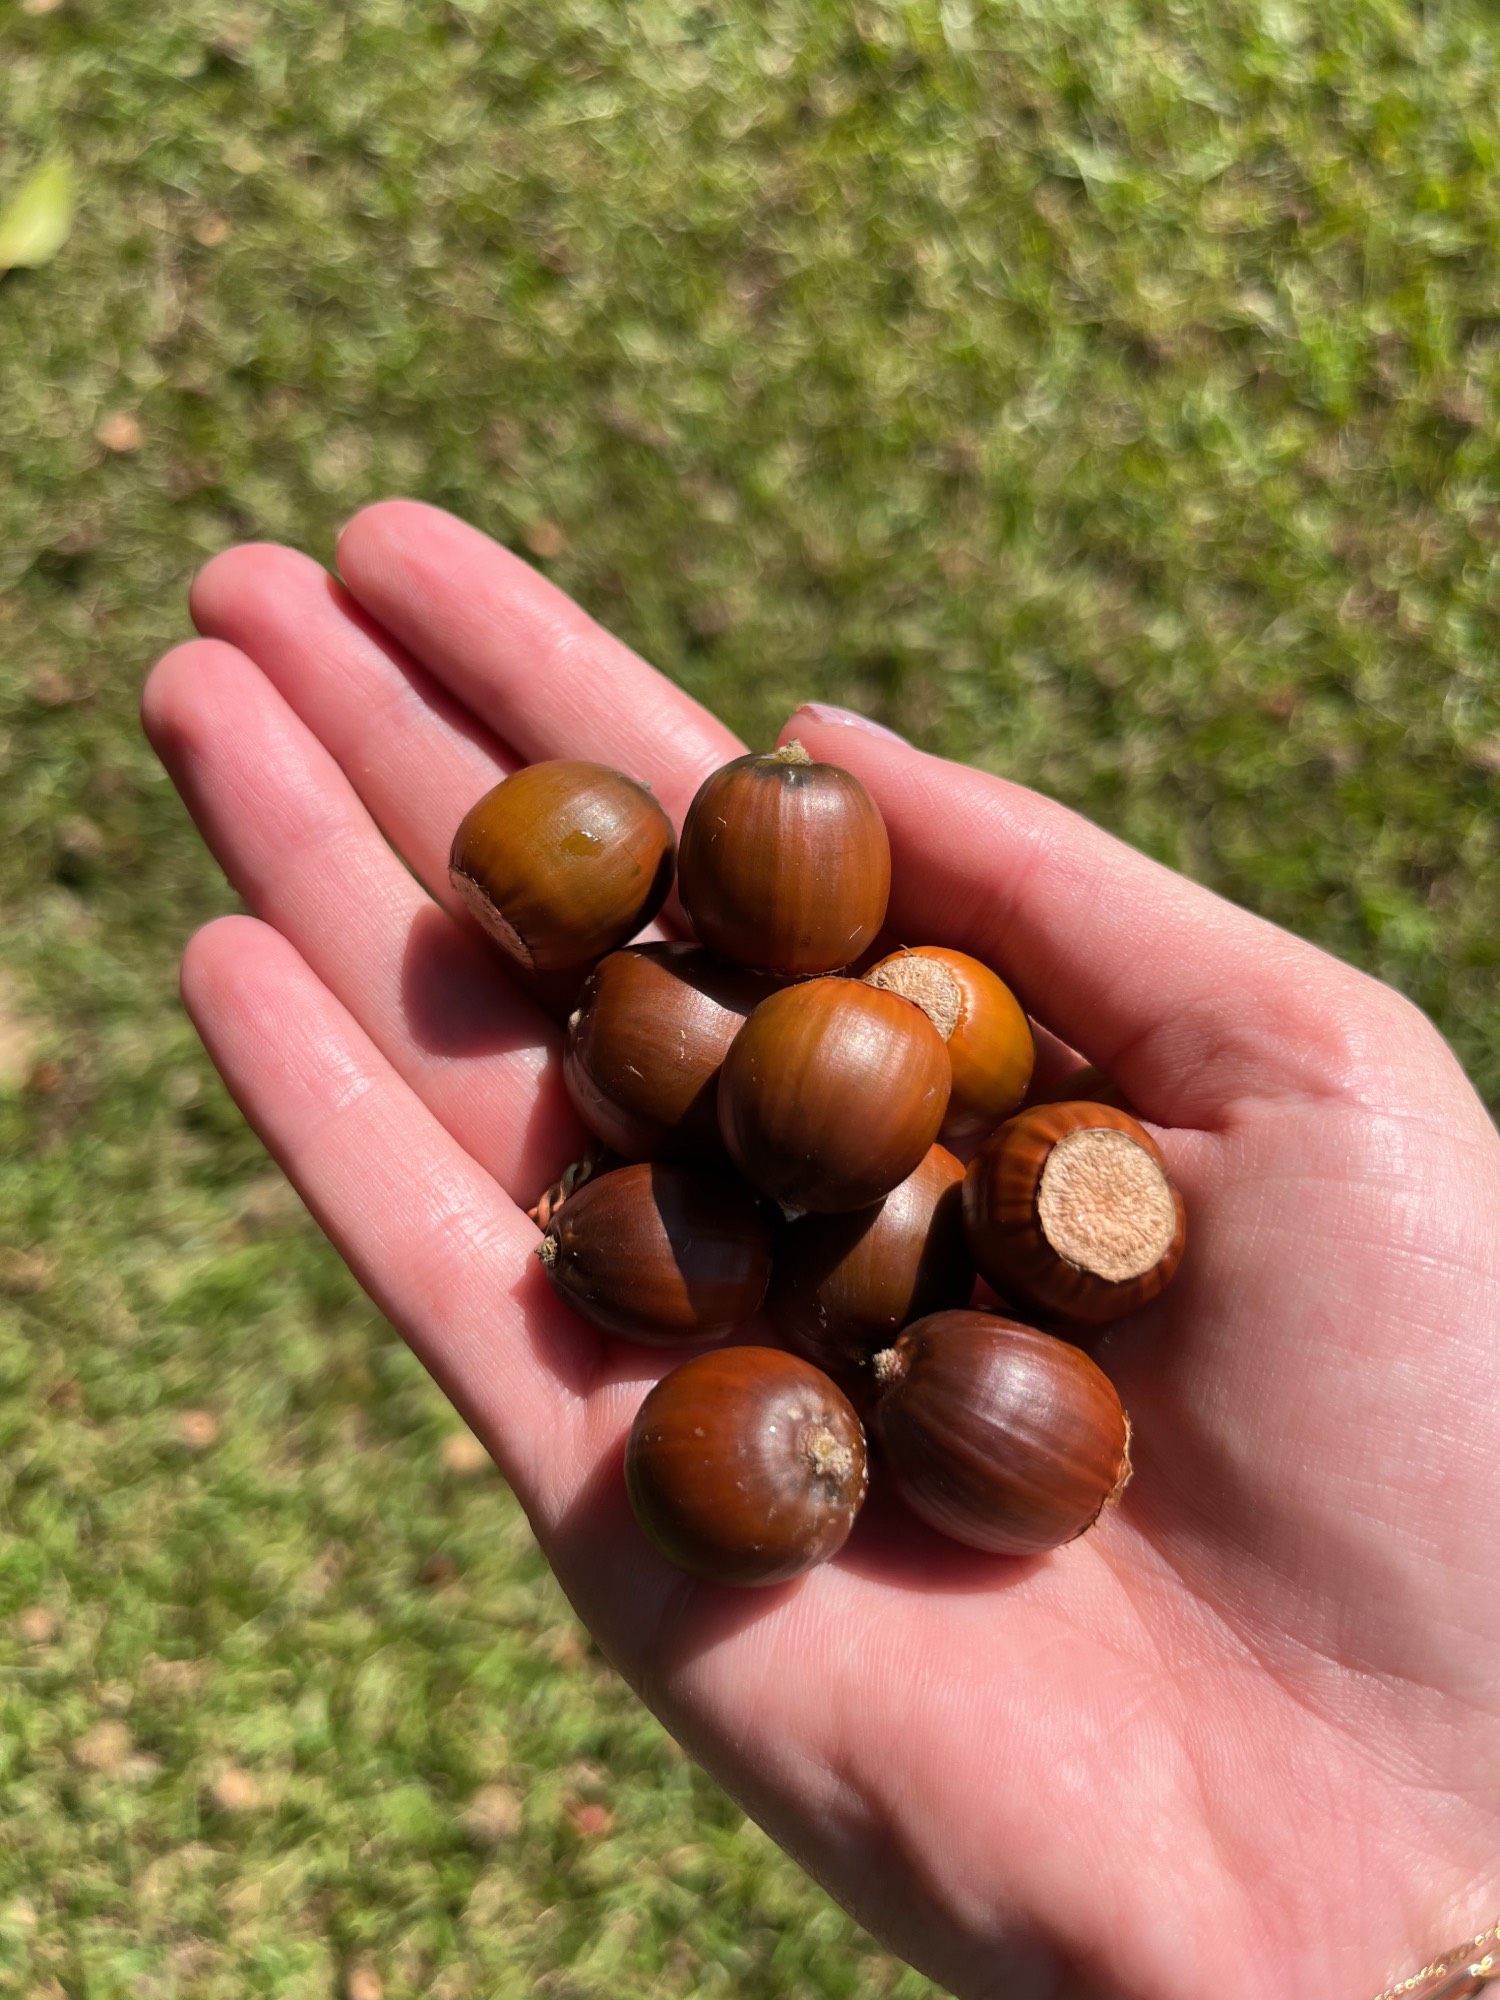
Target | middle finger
(416,757)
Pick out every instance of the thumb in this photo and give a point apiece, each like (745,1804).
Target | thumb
(1188,1002)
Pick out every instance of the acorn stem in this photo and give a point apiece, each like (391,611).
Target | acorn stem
(569,1182)
(789,753)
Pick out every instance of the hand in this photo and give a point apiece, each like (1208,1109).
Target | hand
(1243,1739)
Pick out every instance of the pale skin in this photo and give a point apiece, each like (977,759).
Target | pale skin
(1243,1739)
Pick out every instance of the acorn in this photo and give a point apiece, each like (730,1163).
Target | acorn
(662,1254)
(831,1094)
(562,862)
(843,1286)
(997,1435)
(746,1466)
(652,1026)
(990,1045)
(1070,1211)
(784,864)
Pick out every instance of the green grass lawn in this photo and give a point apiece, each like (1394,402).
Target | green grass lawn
(1104,393)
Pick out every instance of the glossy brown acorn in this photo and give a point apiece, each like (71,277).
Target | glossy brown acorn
(746,1466)
(831,1094)
(562,862)
(1069,1210)
(642,1059)
(662,1254)
(843,1286)
(999,1436)
(784,864)
(990,1045)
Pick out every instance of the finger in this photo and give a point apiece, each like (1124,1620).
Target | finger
(1054,1061)
(416,757)
(522,656)
(288,831)
(1185,1001)
(413,753)
(440,1249)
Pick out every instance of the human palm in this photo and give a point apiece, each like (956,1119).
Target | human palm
(1241,1740)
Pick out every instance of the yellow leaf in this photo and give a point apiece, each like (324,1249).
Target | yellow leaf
(34,225)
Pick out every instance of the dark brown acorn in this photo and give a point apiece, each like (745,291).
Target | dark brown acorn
(843,1286)
(746,1466)
(653,1025)
(990,1045)
(1001,1437)
(831,1094)
(784,864)
(1070,1211)
(661,1254)
(562,863)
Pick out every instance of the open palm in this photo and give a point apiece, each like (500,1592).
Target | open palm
(1244,1739)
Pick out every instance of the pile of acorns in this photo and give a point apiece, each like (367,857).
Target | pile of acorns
(774,1128)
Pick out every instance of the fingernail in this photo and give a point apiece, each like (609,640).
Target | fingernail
(845,718)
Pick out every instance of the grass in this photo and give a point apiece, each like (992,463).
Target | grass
(1106,394)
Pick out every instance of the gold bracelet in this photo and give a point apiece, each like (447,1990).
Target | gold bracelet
(1457,1975)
